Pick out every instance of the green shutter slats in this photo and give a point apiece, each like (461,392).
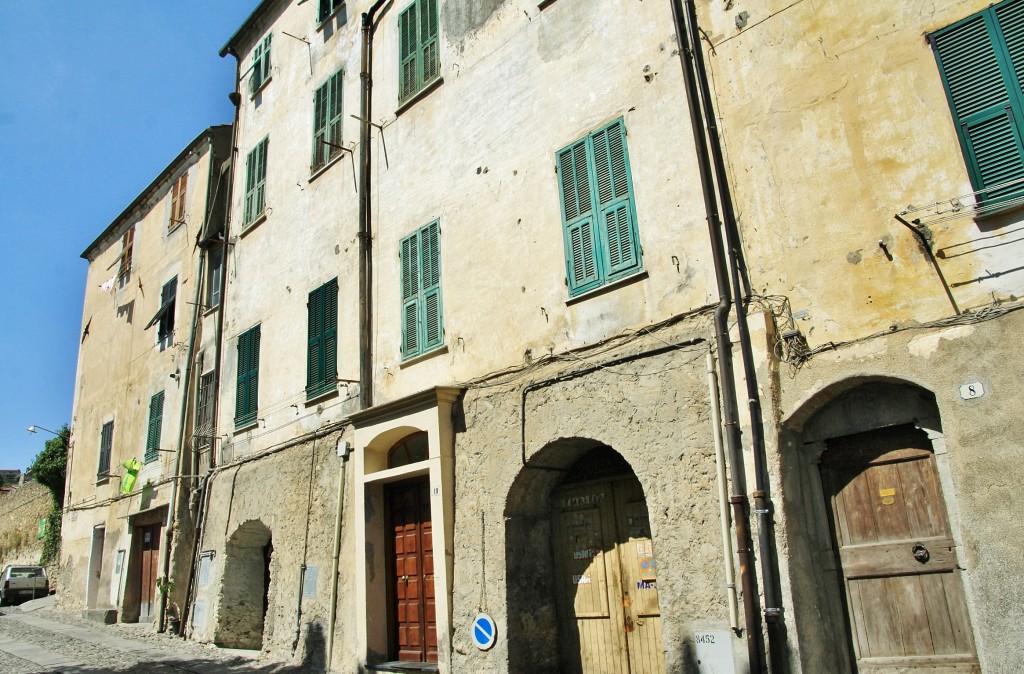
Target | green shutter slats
(334,115)
(106,444)
(320,107)
(981,60)
(322,358)
(156,418)
(422,316)
(247,388)
(594,178)
(428,41)
(255,181)
(327,121)
(408,52)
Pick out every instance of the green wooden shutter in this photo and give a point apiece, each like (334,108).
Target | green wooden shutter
(614,202)
(247,389)
(577,219)
(330,335)
(430,286)
(156,420)
(428,47)
(314,360)
(250,186)
(410,294)
(106,443)
(256,77)
(320,108)
(408,50)
(981,61)
(334,114)
(261,176)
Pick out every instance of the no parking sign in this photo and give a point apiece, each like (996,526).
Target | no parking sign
(484,631)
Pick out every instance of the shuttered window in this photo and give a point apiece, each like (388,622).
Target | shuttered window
(124,265)
(419,61)
(203,436)
(168,299)
(247,389)
(106,443)
(256,182)
(156,422)
(422,316)
(328,8)
(260,70)
(327,121)
(598,216)
(178,202)
(981,60)
(322,352)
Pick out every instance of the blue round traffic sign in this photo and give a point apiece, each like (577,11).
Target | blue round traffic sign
(485,633)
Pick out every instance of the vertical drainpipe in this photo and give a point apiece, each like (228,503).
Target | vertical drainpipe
(365,235)
(179,457)
(738,498)
(762,504)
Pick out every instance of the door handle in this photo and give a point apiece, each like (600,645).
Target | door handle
(921,553)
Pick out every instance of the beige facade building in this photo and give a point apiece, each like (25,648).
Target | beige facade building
(148,328)
(488,401)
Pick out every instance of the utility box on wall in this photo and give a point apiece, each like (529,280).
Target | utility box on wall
(713,652)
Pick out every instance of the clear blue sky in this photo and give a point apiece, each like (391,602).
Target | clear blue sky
(96,98)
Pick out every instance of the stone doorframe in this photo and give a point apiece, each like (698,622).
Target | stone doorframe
(844,407)
(376,432)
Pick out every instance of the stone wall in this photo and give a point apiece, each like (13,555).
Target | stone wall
(20,512)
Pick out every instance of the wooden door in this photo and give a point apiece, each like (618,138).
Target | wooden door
(149,565)
(609,618)
(411,582)
(903,591)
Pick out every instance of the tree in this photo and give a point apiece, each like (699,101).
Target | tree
(49,469)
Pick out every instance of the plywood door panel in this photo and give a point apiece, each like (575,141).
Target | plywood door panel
(885,504)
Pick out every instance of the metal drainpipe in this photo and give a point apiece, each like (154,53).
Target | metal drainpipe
(165,563)
(335,561)
(762,504)
(365,230)
(723,494)
(738,498)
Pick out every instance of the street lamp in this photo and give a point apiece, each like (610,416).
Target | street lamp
(33,428)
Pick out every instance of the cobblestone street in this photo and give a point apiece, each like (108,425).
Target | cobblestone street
(44,640)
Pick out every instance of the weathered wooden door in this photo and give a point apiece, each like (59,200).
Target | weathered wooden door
(414,613)
(609,618)
(903,591)
(149,565)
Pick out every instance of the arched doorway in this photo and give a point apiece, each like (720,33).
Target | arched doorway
(591,605)
(878,548)
(245,589)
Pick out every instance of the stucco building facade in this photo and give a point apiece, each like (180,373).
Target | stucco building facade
(481,351)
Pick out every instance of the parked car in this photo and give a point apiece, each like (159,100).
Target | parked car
(20,583)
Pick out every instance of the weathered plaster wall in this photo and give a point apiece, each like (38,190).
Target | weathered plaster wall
(20,512)
(273,492)
(654,411)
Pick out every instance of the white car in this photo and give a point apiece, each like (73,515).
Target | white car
(20,583)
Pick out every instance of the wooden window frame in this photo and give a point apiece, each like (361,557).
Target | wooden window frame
(178,193)
(106,449)
(124,265)
(256,182)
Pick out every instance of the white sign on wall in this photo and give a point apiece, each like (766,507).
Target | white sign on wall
(713,652)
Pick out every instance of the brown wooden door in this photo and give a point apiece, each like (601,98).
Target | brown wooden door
(609,619)
(414,613)
(149,565)
(903,590)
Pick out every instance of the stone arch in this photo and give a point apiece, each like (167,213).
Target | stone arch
(534,638)
(245,587)
(847,407)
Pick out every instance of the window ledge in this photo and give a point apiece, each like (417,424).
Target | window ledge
(320,170)
(436,351)
(102,480)
(638,275)
(419,95)
(257,221)
(209,311)
(544,4)
(320,397)
(246,425)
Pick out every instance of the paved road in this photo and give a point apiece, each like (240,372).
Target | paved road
(43,640)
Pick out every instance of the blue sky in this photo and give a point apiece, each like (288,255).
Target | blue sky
(97,98)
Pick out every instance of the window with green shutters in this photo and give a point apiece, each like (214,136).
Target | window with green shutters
(256,182)
(328,8)
(422,316)
(322,351)
(418,60)
(247,390)
(156,422)
(260,70)
(981,60)
(327,121)
(106,444)
(598,216)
